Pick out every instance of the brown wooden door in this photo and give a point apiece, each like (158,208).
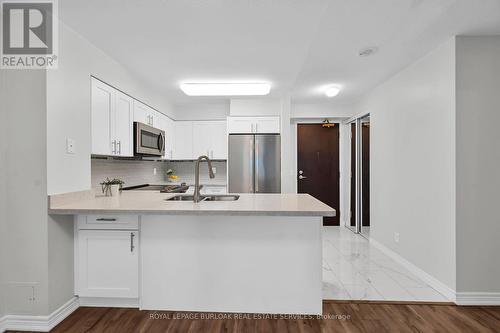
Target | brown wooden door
(318,160)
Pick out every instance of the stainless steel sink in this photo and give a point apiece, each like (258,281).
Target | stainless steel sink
(181,198)
(221,197)
(215,197)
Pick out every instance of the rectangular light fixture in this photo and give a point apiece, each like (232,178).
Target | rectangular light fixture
(226,89)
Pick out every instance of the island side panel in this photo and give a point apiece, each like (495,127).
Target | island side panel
(255,264)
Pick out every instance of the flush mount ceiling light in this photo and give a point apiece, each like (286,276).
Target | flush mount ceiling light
(368,51)
(332,91)
(226,89)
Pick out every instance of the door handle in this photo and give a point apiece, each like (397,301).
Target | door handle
(302,177)
(256,165)
(132,242)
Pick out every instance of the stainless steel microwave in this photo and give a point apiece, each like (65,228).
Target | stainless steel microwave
(148,141)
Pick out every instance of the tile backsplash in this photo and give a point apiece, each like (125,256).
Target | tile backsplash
(185,171)
(130,171)
(135,172)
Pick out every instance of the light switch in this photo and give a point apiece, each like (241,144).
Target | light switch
(154,171)
(214,170)
(70,146)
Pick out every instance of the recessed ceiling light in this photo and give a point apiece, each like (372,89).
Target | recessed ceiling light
(332,91)
(368,51)
(226,89)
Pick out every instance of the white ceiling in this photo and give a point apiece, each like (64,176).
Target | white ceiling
(298,45)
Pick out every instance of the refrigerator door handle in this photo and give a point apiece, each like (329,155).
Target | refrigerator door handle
(252,158)
(256,165)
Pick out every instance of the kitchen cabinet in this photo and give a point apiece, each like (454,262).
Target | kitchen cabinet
(167,124)
(145,114)
(108,263)
(209,138)
(245,125)
(183,145)
(111,121)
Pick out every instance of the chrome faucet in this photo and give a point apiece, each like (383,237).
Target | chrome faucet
(197,187)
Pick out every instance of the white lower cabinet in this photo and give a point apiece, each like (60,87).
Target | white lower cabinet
(107,263)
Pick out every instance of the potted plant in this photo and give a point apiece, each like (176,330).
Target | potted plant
(112,187)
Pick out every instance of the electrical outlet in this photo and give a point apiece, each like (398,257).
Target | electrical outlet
(154,171)
(214,170)
(396,237)
(70,146)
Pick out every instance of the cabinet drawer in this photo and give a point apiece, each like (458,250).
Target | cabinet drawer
(89,222)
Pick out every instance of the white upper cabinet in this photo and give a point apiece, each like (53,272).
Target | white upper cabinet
(209,138)
(122,131)
(146,115)
(192,139)
(102,104)
(219,140)
(183,148)
(111,113)
(166,124)
(249,125)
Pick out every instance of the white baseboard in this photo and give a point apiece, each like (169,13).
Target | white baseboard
(38,323)
(480,298)
(109,302)
(446,291)
(3,322)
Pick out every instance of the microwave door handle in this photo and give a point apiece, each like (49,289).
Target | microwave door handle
(164,142)
(160,142)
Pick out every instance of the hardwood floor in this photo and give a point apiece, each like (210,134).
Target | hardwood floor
(339,317)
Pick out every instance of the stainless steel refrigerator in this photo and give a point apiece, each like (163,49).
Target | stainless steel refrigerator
(254,163)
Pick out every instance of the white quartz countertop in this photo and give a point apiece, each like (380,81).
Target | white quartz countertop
(152,202)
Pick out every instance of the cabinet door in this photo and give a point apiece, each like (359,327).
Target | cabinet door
(202,137)
(169,138)
(102,104)
(166,124)
(142,113)
(121,127)
(242,125)
(183,149)
(269,125)
(218,136)
(108,264)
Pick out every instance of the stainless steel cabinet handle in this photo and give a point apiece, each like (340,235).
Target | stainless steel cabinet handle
(119,147)
(132,247)
(106,219)
(113,144)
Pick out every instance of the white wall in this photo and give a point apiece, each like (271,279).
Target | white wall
(478,161)
(24,202)
(3,185)
(68,107)
(201,111)
(253,107)
(321,110)
(412,165)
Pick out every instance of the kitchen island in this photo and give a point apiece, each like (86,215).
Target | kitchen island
(261,253)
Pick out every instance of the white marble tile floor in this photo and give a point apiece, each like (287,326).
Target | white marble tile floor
(355,270)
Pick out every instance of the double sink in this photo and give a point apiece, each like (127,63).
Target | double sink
(213,197)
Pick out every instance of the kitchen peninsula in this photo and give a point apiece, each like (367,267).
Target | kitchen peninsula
(260,253)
